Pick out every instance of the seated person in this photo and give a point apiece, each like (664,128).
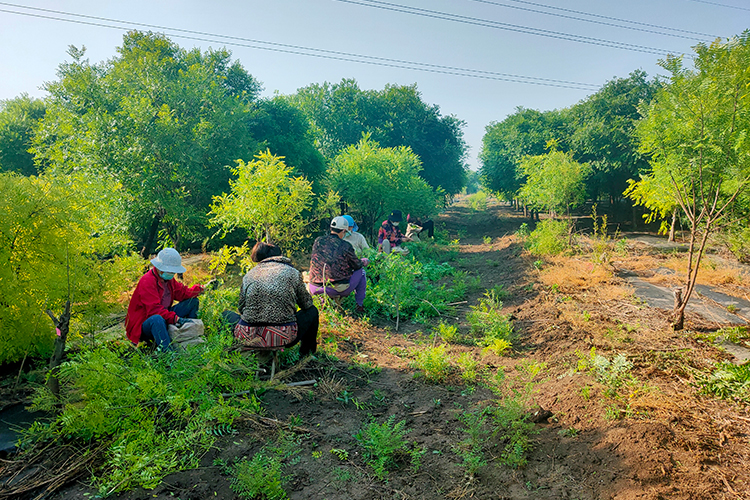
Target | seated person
(415,226)
(269,296)
(390,236)
(150,309)
(355,238)
(334,267)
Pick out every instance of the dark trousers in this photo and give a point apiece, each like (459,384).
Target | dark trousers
(154,329)
(429,226)
(308,321)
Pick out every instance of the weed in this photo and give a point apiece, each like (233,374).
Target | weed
(448,333)
(586,392)
(728,381)
(613,373)
(434,363)
(317,455)
(384,444)
(732,308)
(342,455)
(495,328)
(569,432)
(487,240)
(523,231)
(612,412)
(478,201)
(261,476)
(345,397)
(511,424)
(551,237)
(586,316)
(468,366)
(470,449)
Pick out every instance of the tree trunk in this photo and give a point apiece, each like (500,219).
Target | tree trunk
(671,228)
(62,326)
(148,244)
(678,315)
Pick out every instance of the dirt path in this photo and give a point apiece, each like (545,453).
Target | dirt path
(659,439)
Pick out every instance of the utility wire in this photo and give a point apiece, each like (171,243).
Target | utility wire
(721,5)
(598,16)
(308,51)
(505,26)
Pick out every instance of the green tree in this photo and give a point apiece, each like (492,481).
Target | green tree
(265,200)
(554,182)
(396,116)
(49,254)
(373,181)
(18,117)
(524,133)
(695,131)
(602,133)
(163,121)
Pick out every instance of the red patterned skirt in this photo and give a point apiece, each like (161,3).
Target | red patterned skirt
(265,337)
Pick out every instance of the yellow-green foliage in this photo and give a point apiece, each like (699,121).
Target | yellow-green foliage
(478,201)
(468,366)
(265,200)
(434,363)
(495,328)
(155,414)
(448,333)
(551,237)
(48,253)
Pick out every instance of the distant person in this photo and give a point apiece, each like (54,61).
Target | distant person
(354,237)
(269,296)
(419,227)
(390,236)
(150,309)
(334,267)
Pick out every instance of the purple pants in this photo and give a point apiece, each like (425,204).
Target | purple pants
(357,283)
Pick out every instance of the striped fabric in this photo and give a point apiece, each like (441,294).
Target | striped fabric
(265,337)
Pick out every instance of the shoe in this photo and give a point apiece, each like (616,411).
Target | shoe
(360,311)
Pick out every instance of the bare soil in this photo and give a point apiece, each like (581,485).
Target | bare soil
(660,439)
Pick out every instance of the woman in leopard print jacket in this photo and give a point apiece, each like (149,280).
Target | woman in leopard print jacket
(269,296)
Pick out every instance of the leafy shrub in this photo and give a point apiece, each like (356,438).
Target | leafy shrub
(384,444)
(515,430)
(612,373)
(728,381)
(486,320)
(434,363)
(478,201)
(551,237)
(468,366)
(48,254)
(401,286)
(261,476)
(448,333)
(471,448)
(154,413)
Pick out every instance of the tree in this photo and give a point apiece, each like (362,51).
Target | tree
(602,133)
(554,182)
(373,181)
(164,122)
(265,200)
(524,133)
(18,117)
(396,116)
(48,255)
(696,132)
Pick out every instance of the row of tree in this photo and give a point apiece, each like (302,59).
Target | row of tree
(680,145)
(160,129)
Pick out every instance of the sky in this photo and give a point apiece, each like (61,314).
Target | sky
(539,54)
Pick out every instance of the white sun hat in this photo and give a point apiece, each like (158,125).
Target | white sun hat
(168,261)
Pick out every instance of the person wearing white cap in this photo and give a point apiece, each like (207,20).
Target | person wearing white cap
(334,267)
(150,309)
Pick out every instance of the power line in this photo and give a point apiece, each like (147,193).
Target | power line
(307,51)
(598,16)
(505,26)
(721,5)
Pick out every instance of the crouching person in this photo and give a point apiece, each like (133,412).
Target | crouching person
(151,310)
(334,267)
(269,296)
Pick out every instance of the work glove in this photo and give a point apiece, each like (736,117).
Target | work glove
(365,261)
(181,321)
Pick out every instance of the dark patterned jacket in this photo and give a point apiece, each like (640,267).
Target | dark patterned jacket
(334,258)
(271,291)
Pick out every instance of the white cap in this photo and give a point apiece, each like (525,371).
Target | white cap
(168,261)
(339,223)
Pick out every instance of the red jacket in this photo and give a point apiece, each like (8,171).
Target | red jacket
(146,301)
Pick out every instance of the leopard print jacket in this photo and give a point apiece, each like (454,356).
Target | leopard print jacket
(271,291)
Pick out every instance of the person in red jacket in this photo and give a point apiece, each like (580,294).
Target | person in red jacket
(150,309)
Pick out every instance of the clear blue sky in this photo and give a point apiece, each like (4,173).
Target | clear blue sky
(31,48)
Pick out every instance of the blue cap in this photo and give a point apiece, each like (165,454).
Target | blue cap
(351,222)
